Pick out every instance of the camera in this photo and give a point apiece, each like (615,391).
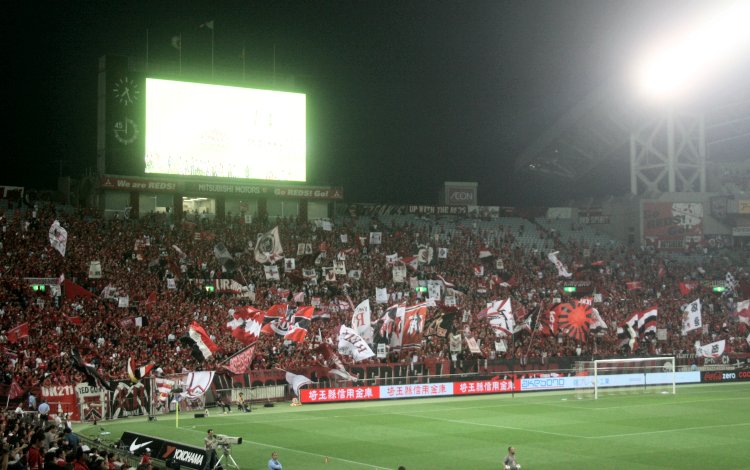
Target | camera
(225,440)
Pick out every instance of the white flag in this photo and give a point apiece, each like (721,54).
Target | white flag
(715,349)
(58,237)
(351,344)
(95,270)
(339,267)
(562,271)
(399,273)
(361,319)
(268,247)
(691,319)
(434,290)
(381,295)
(271,272)
(297,381)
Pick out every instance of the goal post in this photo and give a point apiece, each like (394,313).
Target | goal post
(641,373)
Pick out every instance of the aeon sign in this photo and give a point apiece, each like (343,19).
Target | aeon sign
(461,196)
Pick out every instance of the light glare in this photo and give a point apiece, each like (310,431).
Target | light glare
(689,57)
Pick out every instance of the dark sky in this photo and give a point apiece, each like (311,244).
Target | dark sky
(402,95)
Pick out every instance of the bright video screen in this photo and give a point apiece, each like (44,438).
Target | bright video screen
(196,129)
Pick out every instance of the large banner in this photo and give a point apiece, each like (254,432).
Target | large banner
(130,400)
(65,397)
(672,225)
(92,402)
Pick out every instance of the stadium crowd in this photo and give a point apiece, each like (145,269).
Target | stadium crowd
(139,256)
(33,443)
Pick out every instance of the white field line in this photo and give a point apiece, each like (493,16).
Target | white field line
(694,428)
(290,449)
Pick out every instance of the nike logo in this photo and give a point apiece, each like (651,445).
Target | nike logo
(134,446)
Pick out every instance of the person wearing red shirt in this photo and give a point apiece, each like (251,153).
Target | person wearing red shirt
(34,459)
(146,457)
(80,461)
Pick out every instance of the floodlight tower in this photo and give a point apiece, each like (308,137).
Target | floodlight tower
(669,154)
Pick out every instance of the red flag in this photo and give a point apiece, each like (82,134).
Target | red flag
(19,332)
(151,300)
(246,325)
(74,291)
(574,319)
(277,311)
(240,362)
(73,320)
(633,285)
(296,334)
(686,287)
(200,341)
(303,313)
(15,390)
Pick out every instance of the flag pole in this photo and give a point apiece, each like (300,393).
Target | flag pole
(177,414)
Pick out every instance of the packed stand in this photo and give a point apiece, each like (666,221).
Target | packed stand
(153,261)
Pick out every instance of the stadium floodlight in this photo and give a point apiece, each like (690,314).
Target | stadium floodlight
(678,63)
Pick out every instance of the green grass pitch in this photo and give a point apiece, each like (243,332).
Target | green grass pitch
(701,427)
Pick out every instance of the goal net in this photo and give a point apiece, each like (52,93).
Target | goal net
(626,376)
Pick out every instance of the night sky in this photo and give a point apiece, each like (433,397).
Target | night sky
(402,95)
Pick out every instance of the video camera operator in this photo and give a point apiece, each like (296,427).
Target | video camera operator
(211,444)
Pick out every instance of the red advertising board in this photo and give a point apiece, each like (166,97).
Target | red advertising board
(478,387)
(672,225)
(329,395)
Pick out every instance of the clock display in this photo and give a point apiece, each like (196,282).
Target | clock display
(126,131)
(126,91)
